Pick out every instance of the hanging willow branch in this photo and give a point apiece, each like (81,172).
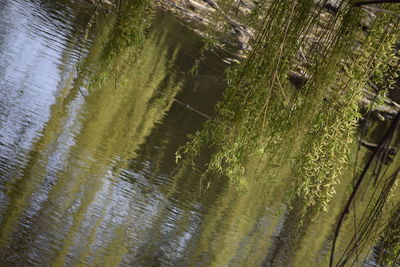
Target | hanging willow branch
(261,114)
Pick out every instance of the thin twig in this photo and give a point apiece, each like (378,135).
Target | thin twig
(192,109)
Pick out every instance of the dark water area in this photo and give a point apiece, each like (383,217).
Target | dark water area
(87,156)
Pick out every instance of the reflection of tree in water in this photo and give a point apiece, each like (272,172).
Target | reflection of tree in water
(288,239)
(32,163)
(87,137)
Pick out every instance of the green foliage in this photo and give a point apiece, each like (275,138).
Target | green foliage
(129,29)
(235,131)
(332,132)
(262,116)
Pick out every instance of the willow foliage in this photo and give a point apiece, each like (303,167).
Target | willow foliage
(129,30)
(263,120)
(332,131)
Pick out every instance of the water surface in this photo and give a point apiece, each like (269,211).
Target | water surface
(88,134)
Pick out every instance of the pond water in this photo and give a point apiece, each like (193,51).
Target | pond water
(87,152)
